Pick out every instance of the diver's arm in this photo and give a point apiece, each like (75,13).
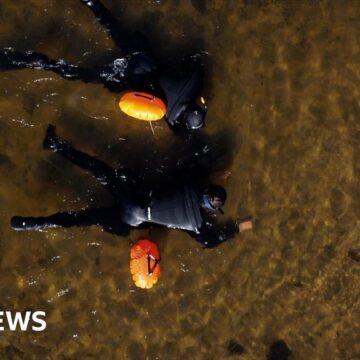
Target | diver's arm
(11,59)
(212,235)
(106,217)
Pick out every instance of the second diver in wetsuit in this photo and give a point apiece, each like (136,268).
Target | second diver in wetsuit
(137,70)
(137,206)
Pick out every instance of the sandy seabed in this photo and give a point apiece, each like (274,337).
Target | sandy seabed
(283,89)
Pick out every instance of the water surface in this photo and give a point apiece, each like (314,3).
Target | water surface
(283,90)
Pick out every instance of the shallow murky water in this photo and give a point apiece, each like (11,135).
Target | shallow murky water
(283,89)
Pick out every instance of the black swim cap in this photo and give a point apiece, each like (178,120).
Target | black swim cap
(194,117)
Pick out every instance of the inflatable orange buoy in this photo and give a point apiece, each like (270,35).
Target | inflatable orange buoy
(142,106)
(144,263)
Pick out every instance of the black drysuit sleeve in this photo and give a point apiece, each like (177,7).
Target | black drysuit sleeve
(213,234)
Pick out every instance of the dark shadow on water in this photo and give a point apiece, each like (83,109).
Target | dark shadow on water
(199,5)
(235,348)
(279,351)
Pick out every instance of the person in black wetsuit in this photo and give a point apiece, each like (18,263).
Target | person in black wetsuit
(137,70)
(137,206)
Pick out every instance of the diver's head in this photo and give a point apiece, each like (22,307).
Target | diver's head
(194,115)
(214,198)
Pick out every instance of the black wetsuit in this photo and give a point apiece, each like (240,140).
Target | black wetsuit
(135,205)
(136,70)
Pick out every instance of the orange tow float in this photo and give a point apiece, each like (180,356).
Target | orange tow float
(144,263)
(142,106)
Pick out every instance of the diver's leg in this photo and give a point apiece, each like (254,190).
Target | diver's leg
(125,41)
(108,218)
(141,66)
(117,182)
(63,219)
(121,183)
(102,171)
(11,59)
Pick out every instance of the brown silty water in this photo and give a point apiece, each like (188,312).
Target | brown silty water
(282,84)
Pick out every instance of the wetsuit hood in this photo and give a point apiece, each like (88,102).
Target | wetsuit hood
(194,117)
(181,95)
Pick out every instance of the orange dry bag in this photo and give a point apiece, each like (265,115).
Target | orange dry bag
(142,106)
(144,263)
